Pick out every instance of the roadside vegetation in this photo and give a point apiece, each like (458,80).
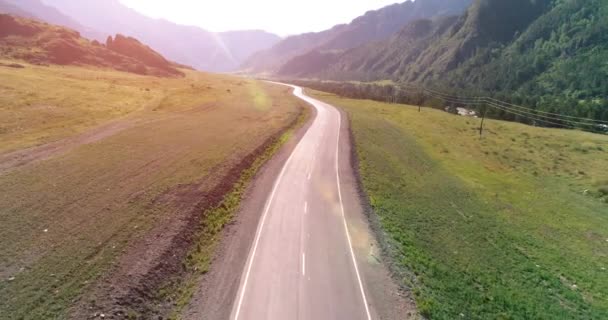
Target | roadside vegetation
(510,226)
(96,228)
(389,91)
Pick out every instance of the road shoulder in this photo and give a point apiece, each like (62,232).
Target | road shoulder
(215,294)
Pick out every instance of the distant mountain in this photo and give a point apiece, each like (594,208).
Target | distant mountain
(242,44)
(9,8)
(558,50)
(531,46)
(543,53)
(38,10)
(188,45)
(41,43)
(372,26)
(270,60)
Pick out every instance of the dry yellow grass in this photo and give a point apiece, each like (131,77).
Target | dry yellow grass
(39,104)
(65,220)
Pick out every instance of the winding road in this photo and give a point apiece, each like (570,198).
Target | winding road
(301,264)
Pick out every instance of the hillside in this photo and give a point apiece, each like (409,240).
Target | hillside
(37,10)
(552,53)
(204,50)
(41,43)
(510,226)
(270,60)
(426,47)
(106,176)
(242,44)
(9,8)
(372,26)
(562,53)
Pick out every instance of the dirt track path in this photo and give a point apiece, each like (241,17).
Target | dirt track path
(15,159)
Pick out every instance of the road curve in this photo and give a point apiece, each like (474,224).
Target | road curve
(301,264)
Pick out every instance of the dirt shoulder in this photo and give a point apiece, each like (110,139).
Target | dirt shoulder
(156,262)
(214,296)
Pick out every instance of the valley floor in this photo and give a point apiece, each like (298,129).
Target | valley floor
(288,254)
(108,180)
(509,226)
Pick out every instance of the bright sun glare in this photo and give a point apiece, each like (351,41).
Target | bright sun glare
(283,17)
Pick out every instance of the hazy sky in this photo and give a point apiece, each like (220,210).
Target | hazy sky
(283,17)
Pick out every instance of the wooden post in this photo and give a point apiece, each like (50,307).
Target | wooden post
(483,117)
(418,107)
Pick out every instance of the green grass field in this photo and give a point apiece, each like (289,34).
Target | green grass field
(65,221)
(510,226)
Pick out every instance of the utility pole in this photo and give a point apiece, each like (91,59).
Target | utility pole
(420,99)
(483,117)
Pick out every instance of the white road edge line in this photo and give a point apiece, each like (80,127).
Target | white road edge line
(352,253)
(303,263)
(261,226)
(312,163)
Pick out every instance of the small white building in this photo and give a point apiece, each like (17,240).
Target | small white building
(466,112)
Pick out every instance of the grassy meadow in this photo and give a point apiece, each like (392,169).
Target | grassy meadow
(510,226)
(65,221)
(40,104)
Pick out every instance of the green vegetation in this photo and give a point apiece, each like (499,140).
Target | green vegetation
(388,91)
(509,226)
(549,55)
(309,52)
(557,64)
(68,220)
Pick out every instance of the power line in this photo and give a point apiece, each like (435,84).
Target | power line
(530,118)
(529,113)
(549,113)
(508,110)
(522,114)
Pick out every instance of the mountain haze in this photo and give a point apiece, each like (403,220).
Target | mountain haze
(242,44)
(42,43)
(372,26)
(10,8)
(36,9)
(189,45)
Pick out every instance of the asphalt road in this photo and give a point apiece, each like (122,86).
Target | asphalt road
(301,264)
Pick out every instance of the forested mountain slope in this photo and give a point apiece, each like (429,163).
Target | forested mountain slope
(543,53)
(372,26)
